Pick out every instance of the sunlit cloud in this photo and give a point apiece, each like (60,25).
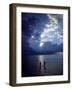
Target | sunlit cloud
(41,44)
(51,32)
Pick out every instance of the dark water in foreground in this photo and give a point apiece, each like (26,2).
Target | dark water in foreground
(42,65)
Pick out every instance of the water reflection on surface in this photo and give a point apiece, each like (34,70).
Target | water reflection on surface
(37,65)
(41,61)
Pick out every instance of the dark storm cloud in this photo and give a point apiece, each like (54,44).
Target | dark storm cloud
(42,32)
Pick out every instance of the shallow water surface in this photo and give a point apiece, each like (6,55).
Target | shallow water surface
(42,65)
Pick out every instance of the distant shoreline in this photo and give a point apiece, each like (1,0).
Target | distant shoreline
(59,53)
(46,53)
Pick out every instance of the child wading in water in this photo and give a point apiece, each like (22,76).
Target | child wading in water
(44,65)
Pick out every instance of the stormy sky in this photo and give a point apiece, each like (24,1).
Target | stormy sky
(42,33)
